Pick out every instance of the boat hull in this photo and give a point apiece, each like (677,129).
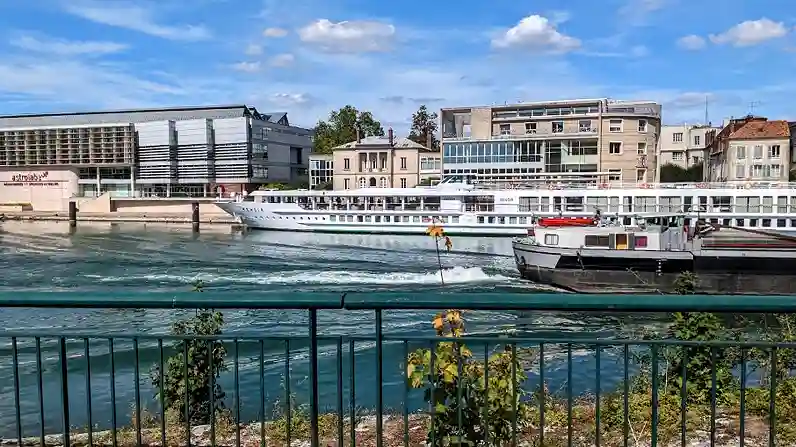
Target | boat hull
(544,266)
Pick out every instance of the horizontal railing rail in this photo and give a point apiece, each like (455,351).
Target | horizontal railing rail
(363,389)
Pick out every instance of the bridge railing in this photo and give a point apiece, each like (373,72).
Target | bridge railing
(70,386)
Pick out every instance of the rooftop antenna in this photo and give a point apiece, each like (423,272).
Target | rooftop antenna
(706,110)
(752,106)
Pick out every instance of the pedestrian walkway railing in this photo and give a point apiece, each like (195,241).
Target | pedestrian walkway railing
(696,372)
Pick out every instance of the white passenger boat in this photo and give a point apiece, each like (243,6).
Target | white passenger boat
(481,210)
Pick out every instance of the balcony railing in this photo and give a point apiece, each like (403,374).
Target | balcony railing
(325,388)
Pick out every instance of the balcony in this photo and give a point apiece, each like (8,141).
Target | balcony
(319,387)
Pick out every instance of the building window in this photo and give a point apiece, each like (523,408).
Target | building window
(363,182)
(773,151)
(347,183)
(740,171)
(615,175)
(505,129)
(677,137)
(758,153)
(615,126)
(642,148)
(347,164)
(403,183)
(530,128)
(775,171)
(696,140)
(740,152)
(677,156)
(642,125)
(383,182)
(614,148)
(558,126)
(403,162)
(584,126)
(641,175)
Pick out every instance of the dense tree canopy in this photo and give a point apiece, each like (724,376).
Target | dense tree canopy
(424,126)
(671,173)
(341,128)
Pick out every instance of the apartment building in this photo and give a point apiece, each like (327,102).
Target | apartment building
(684,144)
(321,170)
(384,162)
(749,149)
(598,140)
(179,151)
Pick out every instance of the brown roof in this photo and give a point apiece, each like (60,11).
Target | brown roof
(753,130)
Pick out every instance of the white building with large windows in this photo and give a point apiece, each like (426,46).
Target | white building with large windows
(684,145)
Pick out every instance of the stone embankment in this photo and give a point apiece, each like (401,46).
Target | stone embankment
(223,219)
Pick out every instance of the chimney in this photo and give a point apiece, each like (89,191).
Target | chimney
(359,136)
(429,141)
(390,137)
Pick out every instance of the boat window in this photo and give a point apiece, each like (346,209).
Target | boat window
(501,220)
(359,219)
(523,220)
(333,218)
(726,222)
(573,204)
(491,219)
(782,204)
(512,220)
(752,222)
(767,204)
(792,205)
(480,219)
(455,219)
(641,241)
(739,222)
(793,223)
(377,219)
(781,223)
(551,239)
(644,204)
(415,219)
(387,219)
(766,222)
(596,241)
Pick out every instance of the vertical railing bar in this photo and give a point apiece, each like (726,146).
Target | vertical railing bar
(379,378)
(288,396)
(406,397)
(485,425)
(352,399)
(40,383)
(597,386)
(90,423)
(313,313)
(114,437)
(570,398)
(187,395)
(626,396)
(655,378)
(514,393)
(64,387)
(340,414)
(237,392)
(212,391)
(459,391)
(742,421)
(433,391)
(543,390)
(684,399)
(713,397)
(262,393)
(161,396)
(772,409)
(137,378)
(17,405)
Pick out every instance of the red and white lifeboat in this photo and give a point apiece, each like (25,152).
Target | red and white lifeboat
(567,222)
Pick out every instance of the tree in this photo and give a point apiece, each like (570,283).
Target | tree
(671,173)
(424,125)
(341,128)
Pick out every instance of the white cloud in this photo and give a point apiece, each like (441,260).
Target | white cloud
(348,36)
(289,99)
(750,32)
(247,67)
(691,42)
(254,50)
(636,12)
(536,33)
(67,48)
(282,60)
(274,32)
(136,18)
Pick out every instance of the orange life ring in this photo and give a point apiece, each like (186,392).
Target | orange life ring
(645,186)
(603,186)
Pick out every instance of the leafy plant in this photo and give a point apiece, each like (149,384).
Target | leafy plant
(202,374)
(465,409)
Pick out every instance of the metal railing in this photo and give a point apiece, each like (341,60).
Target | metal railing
(55,376)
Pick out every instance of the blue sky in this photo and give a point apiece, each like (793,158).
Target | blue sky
(308,57)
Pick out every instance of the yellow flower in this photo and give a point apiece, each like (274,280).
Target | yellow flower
(435,231)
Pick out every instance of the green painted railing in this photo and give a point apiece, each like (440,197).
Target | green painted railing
(604,412)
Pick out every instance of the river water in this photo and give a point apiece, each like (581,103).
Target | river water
(107,259)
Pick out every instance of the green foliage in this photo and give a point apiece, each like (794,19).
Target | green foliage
(341,128)
(325,186)
(424,126)
(456,384)
(671,173)
(200,375)
(275,186)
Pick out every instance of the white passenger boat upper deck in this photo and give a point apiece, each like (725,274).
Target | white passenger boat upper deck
(478,209)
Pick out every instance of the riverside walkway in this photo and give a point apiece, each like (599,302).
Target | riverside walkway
(718,372)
